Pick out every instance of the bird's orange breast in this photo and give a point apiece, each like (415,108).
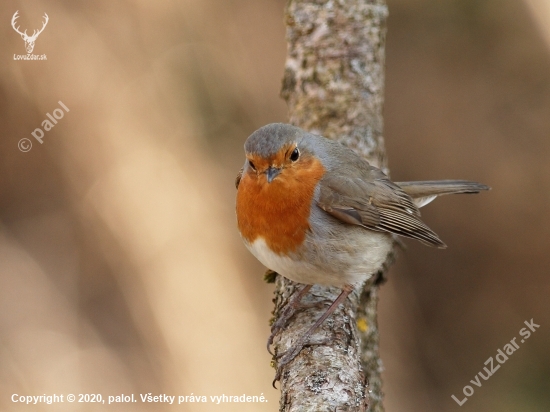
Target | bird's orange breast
(278,211)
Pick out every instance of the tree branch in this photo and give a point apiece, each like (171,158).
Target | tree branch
(333,84)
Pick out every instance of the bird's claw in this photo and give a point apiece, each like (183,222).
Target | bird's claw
(278,325)
(287,313)
(289,355)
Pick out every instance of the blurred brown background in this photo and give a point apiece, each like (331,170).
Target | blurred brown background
(121,270)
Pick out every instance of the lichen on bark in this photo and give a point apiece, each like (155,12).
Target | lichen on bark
(333,83)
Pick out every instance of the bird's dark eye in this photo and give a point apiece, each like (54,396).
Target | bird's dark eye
(295,155)
(252,165)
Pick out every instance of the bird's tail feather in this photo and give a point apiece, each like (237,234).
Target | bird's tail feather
(424,192)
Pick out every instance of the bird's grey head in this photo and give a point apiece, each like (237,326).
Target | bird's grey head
(272,149)
(268,140)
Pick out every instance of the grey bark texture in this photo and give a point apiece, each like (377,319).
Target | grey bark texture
(333,84)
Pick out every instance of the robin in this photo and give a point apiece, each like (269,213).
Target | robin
(315,212)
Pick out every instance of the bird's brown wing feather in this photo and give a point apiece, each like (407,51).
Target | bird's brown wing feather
(238,178)
(375,203)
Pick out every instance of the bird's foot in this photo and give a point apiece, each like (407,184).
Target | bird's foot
(282,321)
(291,353)
(287,313)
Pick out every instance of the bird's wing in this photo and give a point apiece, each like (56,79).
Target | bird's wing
(374,202)
(238,178)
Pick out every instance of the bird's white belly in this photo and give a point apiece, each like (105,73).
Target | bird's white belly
(293,269)
(319,267)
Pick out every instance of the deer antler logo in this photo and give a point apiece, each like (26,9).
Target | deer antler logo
(29,40)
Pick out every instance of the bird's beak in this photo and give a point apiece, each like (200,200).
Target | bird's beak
(272,173)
